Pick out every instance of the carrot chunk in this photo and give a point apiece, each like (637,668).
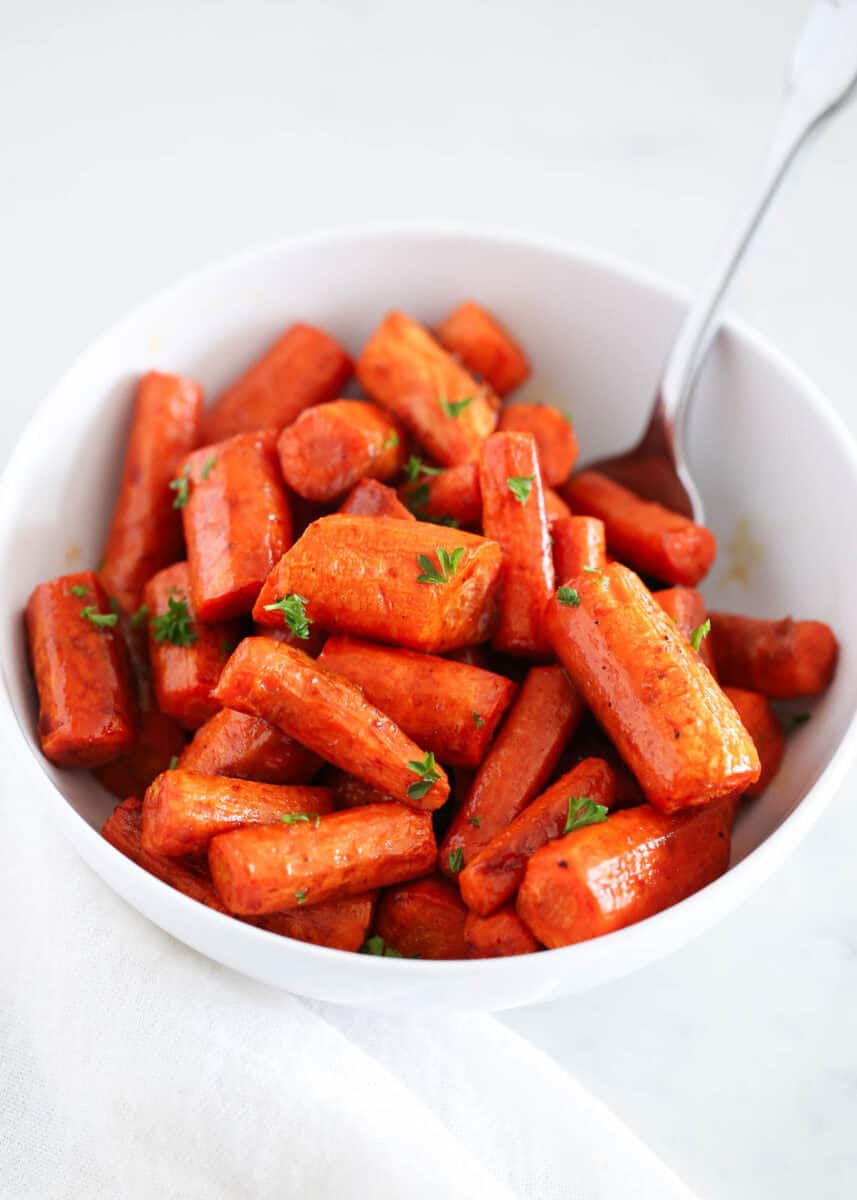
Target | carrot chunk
(407,372)
(556,508)
(231,743)
(513,514)
(87,711)
(783,659)
(385,579)
(304,367)
(578,545)
(448,707)
(453,495)
(337,924)
(369,498)
(265,868)
(332,717)
(493,877)
(631,866)
(349,791)
(658,704)
(555,438)
(331,447)
(686,607)
(160,740)
(518,765)
(501,935)
(423,919)
(760,721)
(146,530)
(484,346)
(646,535)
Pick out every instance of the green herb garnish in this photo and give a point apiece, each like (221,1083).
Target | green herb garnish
(701,631)
(174,762)
(102,620)
(448,565)
(520,486)
(416,467)
(140,615)
(301,896)
(294,613)
(478,720)
(391,442)
(377,946)
(181,487)
(475,821)
(77,589)
(568,596)
(454,408)
(455,859)
(427,771)
(295,818)
(583,811)
(208,467)
(175,624)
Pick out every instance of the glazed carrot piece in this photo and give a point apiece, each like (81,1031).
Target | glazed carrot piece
(518,765)
(423,919)
(303,367)
(687,609)
(237,522)
(381,578)
(159,741)
(407,372)
(636,863)
(446,707)
(493,877)
(782,659)
(183,811)
(484,346)
(556,442)
(331,716)
(337,924)
(450,495)
(146,531)
(373,499)
(578,545)
(312,644)
(646,535)
(513,514)
(648,689)
(350,792)
(87,711)
(231,743)
(760,721)
(501,935)
(556,508)
(590,741)
(186,656)
(331,447)
(265,868)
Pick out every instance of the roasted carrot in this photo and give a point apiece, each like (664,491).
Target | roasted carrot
(556,508)
(761,722)
(331,447)
(590,741)
(578,545)
(87,711)
(519,764)
(554,433)
(446,707)
(657,702)
(422,919)
(686,607)
(782,659)
(631,866)
(337,924)
(513,514)
(484,346)
(159,741)
(449,496)
(186,656)
(349,791)
(237,522)
(501,935)
(305,366)
(231,743)
(373,499)
(145,531)
(183,811)
(385,579)
(407,372)
(493,877)
(310,637)
(331,716)
(266,868)
(646,535)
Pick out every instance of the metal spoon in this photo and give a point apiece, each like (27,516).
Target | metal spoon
(823,73)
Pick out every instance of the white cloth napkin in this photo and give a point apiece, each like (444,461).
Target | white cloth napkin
(132,1067)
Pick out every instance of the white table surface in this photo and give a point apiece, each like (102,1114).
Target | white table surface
(141,141)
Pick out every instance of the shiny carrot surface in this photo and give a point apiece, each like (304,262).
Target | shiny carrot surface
(556,508)
(556,443)
(578,545)
(686,607)
(331,447)
(160,739)
(761,722)
(338,924)
(451,495)
(782,659)
(479,340)
(501,935)
(373,499)
(423,919)
(244,747)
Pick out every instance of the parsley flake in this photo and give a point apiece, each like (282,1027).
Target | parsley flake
(454,408)
(77,589)
(568,597)
(208,467)
(296,818)
(701,631)
(301,896)
(455,858)
(475,821)
(140,615)
(448,562)
(416,467)
(520,486)
(583,811)
(377,946)
(602,579)
(478,720)
(181,487)
(174,762)
(427,771)
(391,442)
(294,613)
(175,624)
(101,620)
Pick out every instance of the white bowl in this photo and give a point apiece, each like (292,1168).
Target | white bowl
(776,468)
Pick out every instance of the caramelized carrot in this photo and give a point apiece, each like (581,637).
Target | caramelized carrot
(555,439)
(305,366)
(186,656)
(404,370)
(760,721)
(349,791)
(183,811)
(331,447)
(231,743)
(446,707)
(686,607)
(513,514)
(578,545)
(518,765)
(265,868)
(330,715)
(484,346)
(783,659)
(87,712)
(453,495)
(556,508)
(373,499)
(312,644)
(658,704)
(423,919)
(646,535)
(337,924)
(501,935)
(237,523)
(493,877)
(631,866)
(160,740)
(145,531)
(368,576)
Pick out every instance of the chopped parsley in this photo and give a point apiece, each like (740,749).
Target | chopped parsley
(448,562)
(294,613)
(391,442)
(175,624)
(208,467)
(181,487)
(583,811)
(416,467)
(377,946)
(174,762)
(568,597)
(77,589)
(520,486)
(427,771)
(454,408)
(297,818)
(478,720)
(101,620)
(140,615)
(701,631)
(602,579)
(301,896)
(455,859)
(475,821)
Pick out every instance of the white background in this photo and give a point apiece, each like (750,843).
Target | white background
(143,140)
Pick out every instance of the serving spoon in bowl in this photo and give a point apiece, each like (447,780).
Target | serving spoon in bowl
(822,76)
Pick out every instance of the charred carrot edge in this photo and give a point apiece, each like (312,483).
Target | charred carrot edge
(686,607)
(502,935)
(422,919)
(451,496)
(160,740)
(484,346)
(349,791)
(369,498)
(232,743)
(555,438)
(578,545)
(331,447)
(337,924)
(761,722)
(782,659)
